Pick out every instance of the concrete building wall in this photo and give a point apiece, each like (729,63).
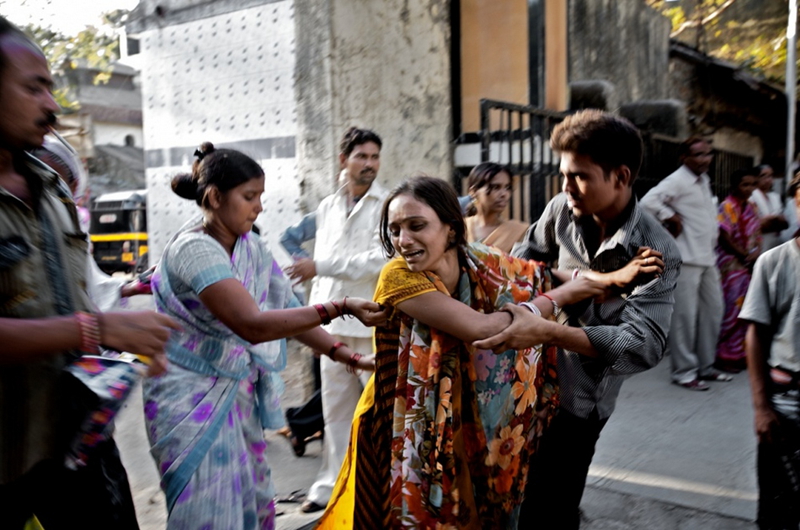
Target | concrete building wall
(219,72)
(383,65)
(115,133)
(620,41)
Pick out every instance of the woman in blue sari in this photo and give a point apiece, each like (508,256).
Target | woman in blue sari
(205,416)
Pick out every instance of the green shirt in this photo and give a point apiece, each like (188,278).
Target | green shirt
(42,274)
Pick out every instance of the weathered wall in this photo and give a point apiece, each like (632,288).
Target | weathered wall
(221,72)
(620,41)
(115,133)
(382,65)
(742,114)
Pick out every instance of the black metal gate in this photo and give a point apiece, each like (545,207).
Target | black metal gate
(519,136)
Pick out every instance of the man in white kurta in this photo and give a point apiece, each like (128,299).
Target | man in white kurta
(348,258)
(684,204)
(770,209)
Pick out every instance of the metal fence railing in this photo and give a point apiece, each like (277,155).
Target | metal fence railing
(519,136)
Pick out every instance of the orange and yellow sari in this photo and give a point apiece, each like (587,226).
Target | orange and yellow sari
(443,433)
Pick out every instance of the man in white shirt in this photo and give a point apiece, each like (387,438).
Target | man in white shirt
(684,204)
(770,209)
(348,258)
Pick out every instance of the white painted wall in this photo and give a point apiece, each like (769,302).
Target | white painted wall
(227,79)
(115,133)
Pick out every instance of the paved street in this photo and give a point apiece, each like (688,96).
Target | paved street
(669,458)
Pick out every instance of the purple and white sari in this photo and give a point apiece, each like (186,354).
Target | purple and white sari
(205,416)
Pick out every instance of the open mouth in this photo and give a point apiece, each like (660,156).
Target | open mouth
(414,254)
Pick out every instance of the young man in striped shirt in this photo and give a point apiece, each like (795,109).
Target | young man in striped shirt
(595,224)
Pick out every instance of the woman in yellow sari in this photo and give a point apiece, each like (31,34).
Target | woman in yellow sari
(442,435)
(490,191)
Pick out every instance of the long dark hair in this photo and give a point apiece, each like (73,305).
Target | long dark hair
(223,168)
(437,194)
(480,176)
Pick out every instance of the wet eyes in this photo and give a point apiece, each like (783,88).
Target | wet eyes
(395,232)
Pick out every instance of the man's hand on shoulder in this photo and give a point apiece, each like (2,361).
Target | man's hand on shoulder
(302,270)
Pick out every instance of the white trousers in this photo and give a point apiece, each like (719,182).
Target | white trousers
(696,319)
(340,394)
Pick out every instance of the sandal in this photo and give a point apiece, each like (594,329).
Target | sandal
(295,496)
(694,384)
(298,445)
(716,376)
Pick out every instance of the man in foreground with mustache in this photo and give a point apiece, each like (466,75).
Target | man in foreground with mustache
(47,321)
(348,257)
(596,225)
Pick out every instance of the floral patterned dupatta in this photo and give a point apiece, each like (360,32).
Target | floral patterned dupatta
(449,436)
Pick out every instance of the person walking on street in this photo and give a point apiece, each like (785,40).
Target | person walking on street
(47,321)
(348,258)
(684,204)
(595,224)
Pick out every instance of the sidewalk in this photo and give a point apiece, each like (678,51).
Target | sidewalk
(669,458)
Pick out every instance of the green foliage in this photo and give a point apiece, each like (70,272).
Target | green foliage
(748,33)
(93,47)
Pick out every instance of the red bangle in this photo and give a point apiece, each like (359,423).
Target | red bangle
(338,309)
(323,314)
(89,328)
(336,346)
(353,362)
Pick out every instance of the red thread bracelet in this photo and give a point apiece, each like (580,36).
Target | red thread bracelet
(338,309)
(556,307)
(89,328)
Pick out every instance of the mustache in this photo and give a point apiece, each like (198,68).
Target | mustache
(48,121)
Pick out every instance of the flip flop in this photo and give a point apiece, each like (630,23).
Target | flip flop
(295,496)
(716,376)
(694,384)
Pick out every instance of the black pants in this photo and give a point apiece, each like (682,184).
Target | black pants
(778,465)
(94,497)
(307,419)
(557,475)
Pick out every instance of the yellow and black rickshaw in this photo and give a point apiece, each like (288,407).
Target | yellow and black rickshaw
(118,231)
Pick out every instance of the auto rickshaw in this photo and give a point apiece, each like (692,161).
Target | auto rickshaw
(118,231)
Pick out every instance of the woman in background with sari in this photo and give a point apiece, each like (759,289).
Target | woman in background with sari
(490,191)
(738,247)
(205,416)
(442,434)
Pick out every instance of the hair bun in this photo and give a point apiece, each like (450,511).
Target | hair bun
(185,186)
(206,148)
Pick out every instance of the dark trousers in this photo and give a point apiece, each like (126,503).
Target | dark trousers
(307,419)
(778,465)
(558,470)
(93,497)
